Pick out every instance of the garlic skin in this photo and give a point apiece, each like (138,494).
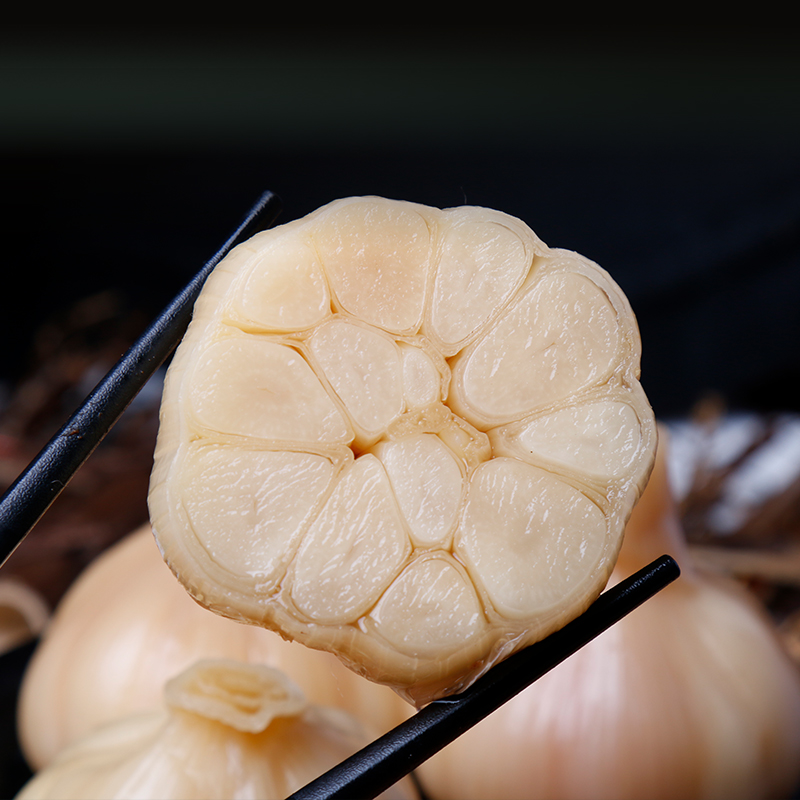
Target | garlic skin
(690,696)
(23,613)
(361,396)
(225,731)
(126,627)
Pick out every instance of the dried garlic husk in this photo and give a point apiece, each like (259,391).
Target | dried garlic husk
(126,626)
(690,696)
(406,435)
(23,613)
(226,730)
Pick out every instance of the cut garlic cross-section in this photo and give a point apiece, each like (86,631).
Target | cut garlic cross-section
(407,435)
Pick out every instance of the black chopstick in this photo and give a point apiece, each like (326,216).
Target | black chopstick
(376,767)
(29,497)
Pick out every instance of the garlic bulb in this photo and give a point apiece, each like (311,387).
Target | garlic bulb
(406,435)
(225,730)
(126,626)
(23,613)
(690,696)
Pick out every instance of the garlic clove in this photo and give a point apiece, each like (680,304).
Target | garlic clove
(281,396)
(225,729)
(428,483)
(298,295)
(481,265)
(447,397)
(540,515)
(537,358)
(364,369)
(376,254)
(338,573)
(262,500)
(691,696)
(441,628)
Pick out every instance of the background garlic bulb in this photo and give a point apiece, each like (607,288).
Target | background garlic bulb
(126,626)
(23,613)
(226,730)
(361,395)
(690,696)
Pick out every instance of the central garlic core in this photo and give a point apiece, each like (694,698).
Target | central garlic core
(407,435)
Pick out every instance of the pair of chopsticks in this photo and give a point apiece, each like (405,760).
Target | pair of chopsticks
(394,755)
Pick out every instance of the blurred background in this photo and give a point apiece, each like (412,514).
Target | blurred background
(128,154)
(668,155)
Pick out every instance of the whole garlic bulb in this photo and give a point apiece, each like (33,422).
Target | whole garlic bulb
(126,626)
(690,696)
(225,730)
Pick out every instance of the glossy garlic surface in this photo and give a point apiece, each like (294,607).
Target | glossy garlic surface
(407,435)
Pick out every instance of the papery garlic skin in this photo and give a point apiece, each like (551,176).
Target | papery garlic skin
(690,696)
(23,613)
(373,438)
(226,731)
(126,627)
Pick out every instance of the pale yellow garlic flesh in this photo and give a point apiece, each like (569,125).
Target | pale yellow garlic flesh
(406,435)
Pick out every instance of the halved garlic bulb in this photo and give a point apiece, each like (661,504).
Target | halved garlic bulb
(126,626)
(406,435)
(224,730)
(691,696)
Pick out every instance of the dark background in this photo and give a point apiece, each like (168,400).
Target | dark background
(667,154)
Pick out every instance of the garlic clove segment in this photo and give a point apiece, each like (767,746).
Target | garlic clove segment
(406,435)
(225,729)
(692,696)
(126,627)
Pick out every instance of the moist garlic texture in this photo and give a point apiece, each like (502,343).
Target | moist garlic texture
(224,730)
(126,626)
(691,696)
(406,435)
